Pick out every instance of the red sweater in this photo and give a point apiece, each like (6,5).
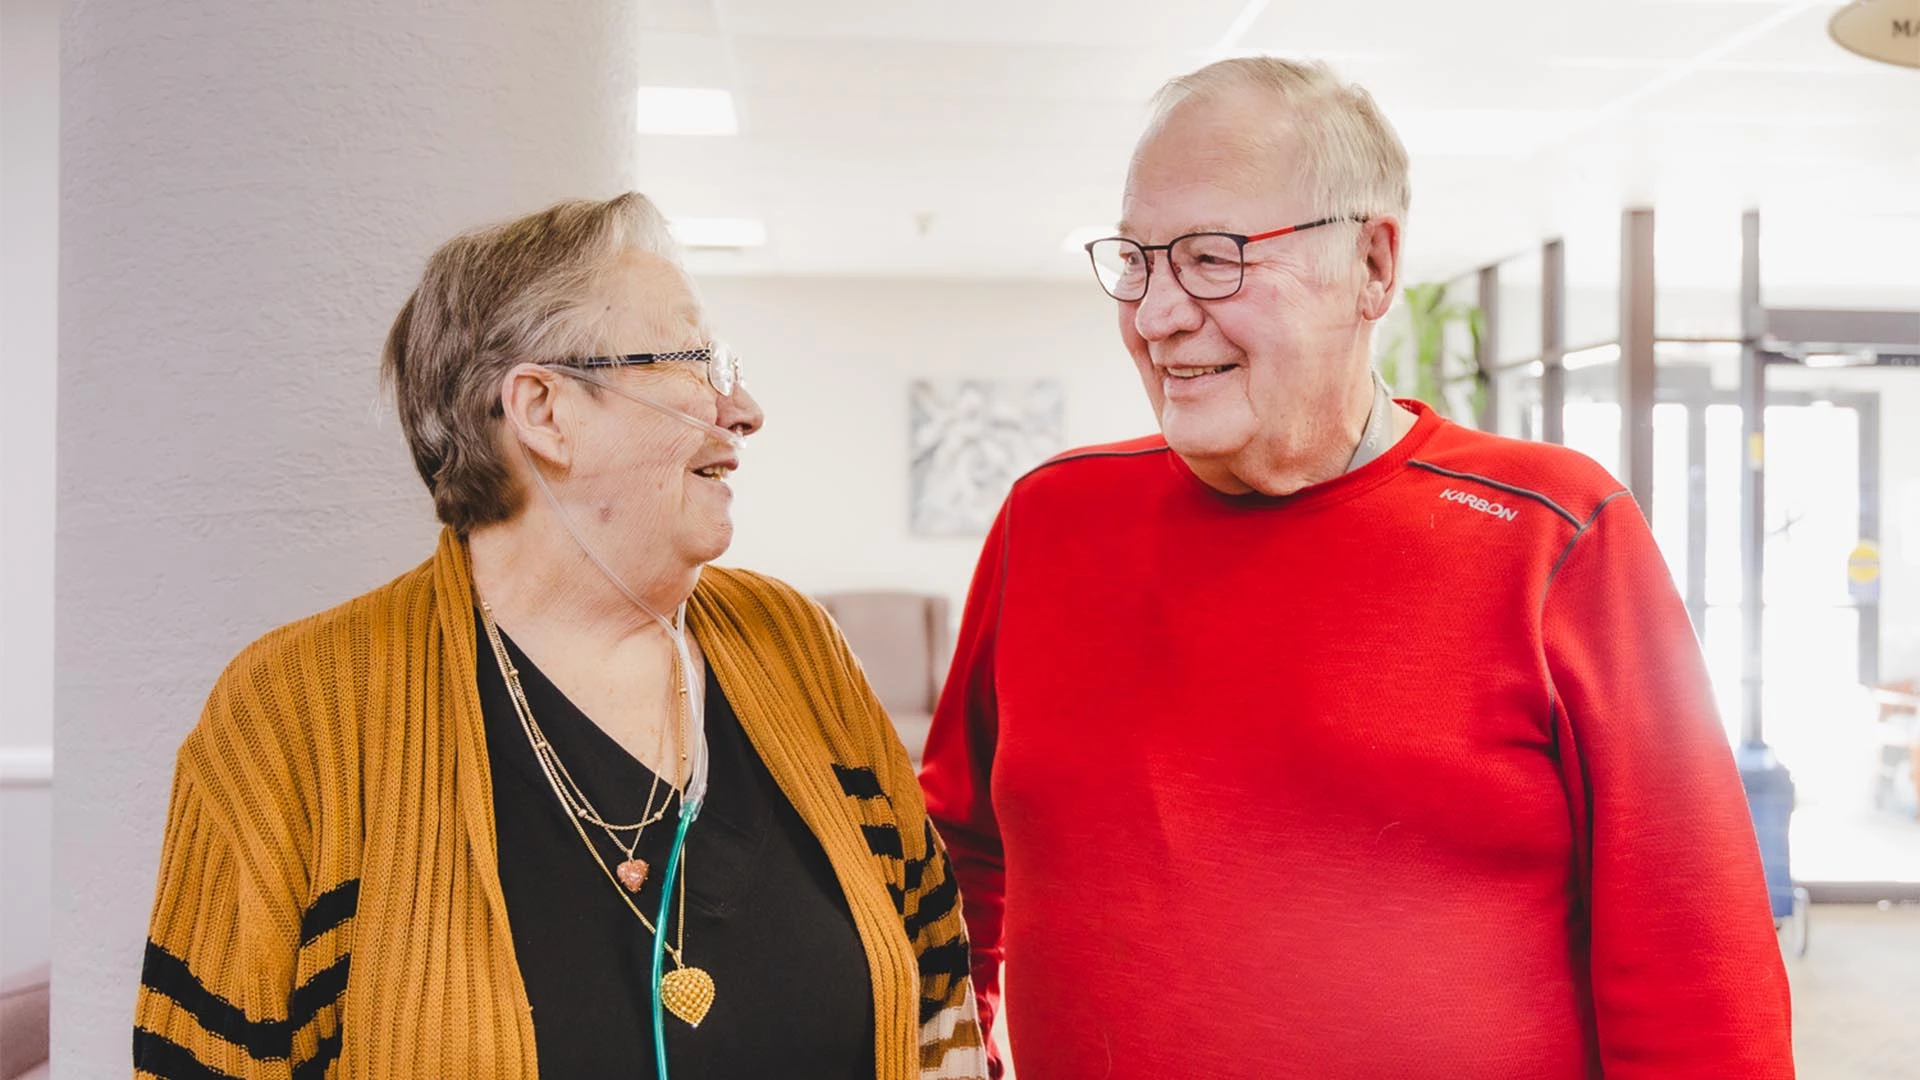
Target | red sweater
(1415,773)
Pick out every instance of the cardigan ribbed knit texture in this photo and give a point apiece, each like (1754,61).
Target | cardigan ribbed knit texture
(329,901)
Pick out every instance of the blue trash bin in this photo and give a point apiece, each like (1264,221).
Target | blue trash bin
(1770,798)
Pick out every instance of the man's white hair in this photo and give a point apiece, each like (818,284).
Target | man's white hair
(1351,162)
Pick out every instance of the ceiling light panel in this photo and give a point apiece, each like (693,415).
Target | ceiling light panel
(686,110)
(1191,26)
(718,232)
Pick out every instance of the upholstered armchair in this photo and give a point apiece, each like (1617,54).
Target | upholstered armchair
(23,1025)
(904,642)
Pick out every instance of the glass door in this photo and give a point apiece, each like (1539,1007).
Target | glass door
(1819,640)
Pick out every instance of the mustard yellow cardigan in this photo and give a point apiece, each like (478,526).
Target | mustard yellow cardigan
(329,903)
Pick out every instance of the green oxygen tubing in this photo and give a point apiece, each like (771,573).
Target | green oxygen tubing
(691,801)
(688,811)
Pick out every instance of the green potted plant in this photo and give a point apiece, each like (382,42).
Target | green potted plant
(1417,362)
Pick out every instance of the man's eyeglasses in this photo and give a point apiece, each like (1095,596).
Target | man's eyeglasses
(1208,265)
(723,367)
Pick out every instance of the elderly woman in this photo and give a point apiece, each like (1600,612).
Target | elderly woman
(566,800)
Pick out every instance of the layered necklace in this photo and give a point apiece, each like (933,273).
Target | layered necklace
(687,992)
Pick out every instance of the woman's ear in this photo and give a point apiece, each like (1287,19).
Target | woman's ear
(530,401)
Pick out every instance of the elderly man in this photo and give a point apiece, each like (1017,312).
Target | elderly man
(1316,736)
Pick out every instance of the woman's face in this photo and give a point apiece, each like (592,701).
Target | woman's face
(653,490)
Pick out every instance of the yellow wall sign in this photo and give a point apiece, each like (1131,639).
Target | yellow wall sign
(1863,572)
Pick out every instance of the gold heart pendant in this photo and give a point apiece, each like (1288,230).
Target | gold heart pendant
(687,993)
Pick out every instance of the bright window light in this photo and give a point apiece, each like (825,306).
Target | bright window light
(699,232)
(1580,359)
(1856,358)
(687,110)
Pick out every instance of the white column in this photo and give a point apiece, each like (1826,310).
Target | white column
(29,254)
(249,189)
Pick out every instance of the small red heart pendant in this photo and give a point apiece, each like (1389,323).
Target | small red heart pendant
(632,874)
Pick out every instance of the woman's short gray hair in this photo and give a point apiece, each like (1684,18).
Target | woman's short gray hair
(1351,163)
(490,299)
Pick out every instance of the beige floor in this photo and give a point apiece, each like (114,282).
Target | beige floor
(1856,994)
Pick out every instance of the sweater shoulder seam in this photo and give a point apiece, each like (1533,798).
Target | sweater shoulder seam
(1501,485)
(1579,531)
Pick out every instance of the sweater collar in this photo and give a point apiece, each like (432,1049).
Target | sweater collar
(1348,484)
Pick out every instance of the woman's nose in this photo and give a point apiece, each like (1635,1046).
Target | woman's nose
(739,412)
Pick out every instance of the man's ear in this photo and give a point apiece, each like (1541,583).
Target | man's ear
(1380,250)
(530,401)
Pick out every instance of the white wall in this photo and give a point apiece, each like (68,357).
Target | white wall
(823,490)
(248,190)
(29,250)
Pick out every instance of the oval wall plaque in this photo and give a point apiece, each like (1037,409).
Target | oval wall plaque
(1883,30)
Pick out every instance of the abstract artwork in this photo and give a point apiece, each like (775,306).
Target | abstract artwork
(971,439)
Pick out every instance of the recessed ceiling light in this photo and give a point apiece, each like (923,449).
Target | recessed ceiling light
(1075,242)
(686,110)
(705,232)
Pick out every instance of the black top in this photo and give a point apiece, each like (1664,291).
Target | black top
(765,915)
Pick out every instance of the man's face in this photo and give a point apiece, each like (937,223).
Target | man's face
(1265,372)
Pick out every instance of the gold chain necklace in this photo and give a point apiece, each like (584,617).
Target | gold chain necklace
(632,871)
(687,992)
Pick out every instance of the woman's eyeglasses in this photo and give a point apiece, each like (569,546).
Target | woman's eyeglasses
(723,367)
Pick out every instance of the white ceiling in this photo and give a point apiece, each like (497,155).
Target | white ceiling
(938,139)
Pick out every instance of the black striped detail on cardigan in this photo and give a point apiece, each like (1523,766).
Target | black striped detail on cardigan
(884,840)
(934,906)
(859,782)
(324,989)
(916,870)
(944,965)
(329,910)
(263,1040)
(168,975)
(924,892)
(315,1067)
(164,1058)
(949,960)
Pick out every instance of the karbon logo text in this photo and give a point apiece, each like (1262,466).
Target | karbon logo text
(1475,502)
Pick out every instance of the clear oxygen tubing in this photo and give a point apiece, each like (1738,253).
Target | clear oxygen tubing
(675,627)
(696,790)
